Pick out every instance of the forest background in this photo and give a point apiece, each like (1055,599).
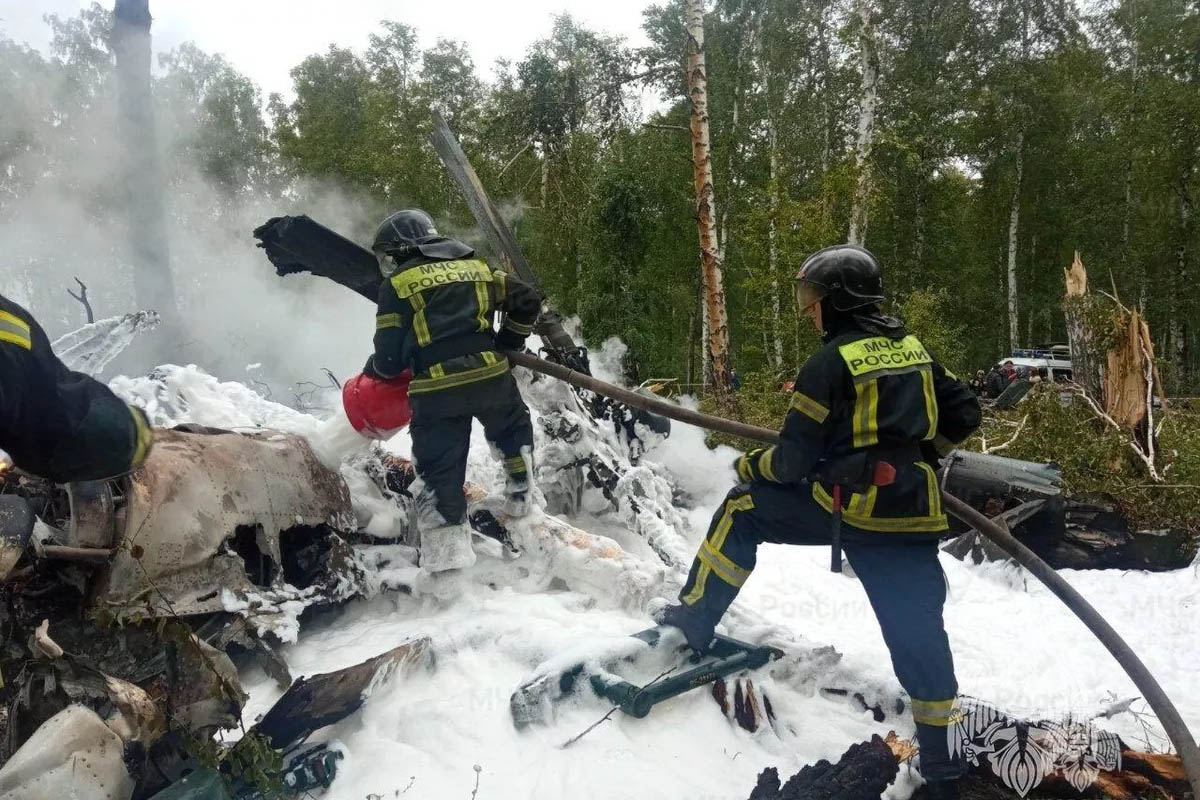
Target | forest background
(1003,135)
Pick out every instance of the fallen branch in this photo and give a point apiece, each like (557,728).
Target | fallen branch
(1016,434)
(1076,389)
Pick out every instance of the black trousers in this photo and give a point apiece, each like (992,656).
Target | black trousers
(441,435)
(899,572)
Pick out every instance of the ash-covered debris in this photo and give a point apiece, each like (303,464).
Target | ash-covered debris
(863,773)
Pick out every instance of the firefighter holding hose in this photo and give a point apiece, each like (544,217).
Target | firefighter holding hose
(870,414)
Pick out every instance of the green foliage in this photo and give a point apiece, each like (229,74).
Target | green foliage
(1095,458)
(927,313)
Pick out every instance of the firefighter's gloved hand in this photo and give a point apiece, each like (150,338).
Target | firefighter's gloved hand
(510,340)
(749,465)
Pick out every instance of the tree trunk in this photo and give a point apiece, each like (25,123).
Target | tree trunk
(145,202)
(714,289)
(773,247)
(1085,361)
(1014,217)
(775,348)
(1181,305)
(866,126)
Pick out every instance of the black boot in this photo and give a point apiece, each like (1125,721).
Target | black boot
(698,630)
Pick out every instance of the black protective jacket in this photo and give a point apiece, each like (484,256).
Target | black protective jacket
(884,393)
(436,317)
(59,424)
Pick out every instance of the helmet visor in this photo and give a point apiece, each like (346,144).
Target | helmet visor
(808,295)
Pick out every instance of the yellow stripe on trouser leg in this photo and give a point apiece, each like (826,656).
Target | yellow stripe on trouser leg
(934,712)
(713,544)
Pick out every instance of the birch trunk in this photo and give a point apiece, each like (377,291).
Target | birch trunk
(866,127)
(714,290)
(144,180)
(773,247)
(1014,218)
(775,346)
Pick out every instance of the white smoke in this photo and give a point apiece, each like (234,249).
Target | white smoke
(62,217)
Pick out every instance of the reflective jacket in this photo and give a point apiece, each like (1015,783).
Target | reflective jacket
(59,424)
(437,318)
(863,391)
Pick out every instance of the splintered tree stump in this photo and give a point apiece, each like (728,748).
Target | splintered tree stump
(863,773)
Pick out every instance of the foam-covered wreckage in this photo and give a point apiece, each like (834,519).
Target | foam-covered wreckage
(216,544)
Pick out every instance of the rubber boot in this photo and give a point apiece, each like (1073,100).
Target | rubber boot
(696,629)
(446,547)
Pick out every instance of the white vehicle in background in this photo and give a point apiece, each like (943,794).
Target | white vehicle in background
(1055,359)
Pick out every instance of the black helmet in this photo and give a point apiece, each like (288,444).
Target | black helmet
(408,236)
(402,228)
(844,276)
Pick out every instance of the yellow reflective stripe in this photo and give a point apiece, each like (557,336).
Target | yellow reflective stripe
(420,324)
(432,384)
(517,327)
(515,465)
(931,406)
(863,505)
(481,297)
(414,280)
(15,330)
(934,523)
(719,563)
(934,495)
(387,321)
(489,357)
(743,469)
(437,371)
(809,407)
(934,712)
(943,445)
(144,438)
(866,413)
(713,545)
(17,339)
(697,592)
(742,503)
(764,464)
(880,352)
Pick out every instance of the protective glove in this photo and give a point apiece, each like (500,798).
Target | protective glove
(509,340)
(749,465)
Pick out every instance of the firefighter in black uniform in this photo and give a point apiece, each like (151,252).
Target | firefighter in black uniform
(59,424)
(435,316)
(871,413)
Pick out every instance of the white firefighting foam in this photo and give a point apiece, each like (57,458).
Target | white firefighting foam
(423,734)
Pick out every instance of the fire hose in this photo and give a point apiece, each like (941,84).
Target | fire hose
(1145,682)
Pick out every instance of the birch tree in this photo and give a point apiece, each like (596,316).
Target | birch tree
(869,55)
(706,223)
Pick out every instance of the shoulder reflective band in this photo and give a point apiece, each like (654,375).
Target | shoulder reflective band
(880,352)
(415,280)
(15,330)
